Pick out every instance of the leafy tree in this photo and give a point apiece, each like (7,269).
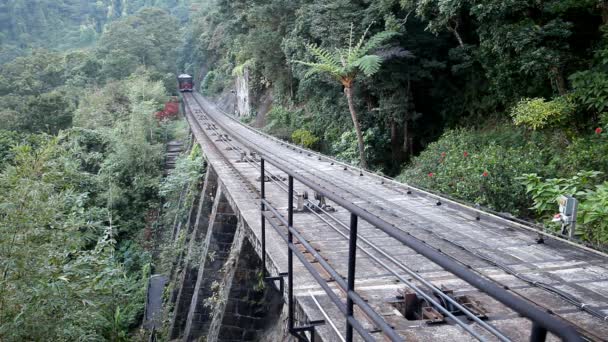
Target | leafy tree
(440,15)
(345,65)
(49,113)
(63,291)
(148,38)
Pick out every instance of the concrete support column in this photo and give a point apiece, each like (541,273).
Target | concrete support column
(215,253)
(251,306)
(186,279)
(224,289)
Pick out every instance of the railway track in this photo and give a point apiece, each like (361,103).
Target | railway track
(495,249)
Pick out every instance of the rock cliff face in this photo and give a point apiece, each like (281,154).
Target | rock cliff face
(242,101)
(243,94)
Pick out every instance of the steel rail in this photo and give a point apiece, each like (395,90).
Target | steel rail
(371,313)
(541,319)
(336,300)
(333,326)
(422,293)
(567,297)
(347,228)
(331,294)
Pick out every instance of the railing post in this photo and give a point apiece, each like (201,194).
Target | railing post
(262,208)
(539,333)
(290,255)
(352,259)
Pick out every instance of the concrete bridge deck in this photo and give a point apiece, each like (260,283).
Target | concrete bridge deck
(557,276)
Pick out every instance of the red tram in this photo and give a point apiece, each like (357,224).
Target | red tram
(186,84)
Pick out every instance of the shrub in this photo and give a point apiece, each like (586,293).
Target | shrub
(594,214)
(211,84)
(346,147)
(481,167)
(591,89)
(282,122)
(586,153)
(538,113)
(304,138)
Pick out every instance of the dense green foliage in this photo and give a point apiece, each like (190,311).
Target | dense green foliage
(345,65)
(482,166)
(453,62)
(83,196)
(40,92)
(80,173)
(592,195)
(487,66)
(67,24)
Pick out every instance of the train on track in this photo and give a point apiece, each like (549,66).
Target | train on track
(186,83)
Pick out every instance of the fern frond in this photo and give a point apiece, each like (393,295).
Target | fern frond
(317,68)
(362,40)
(368,64)
(350,38)
(340,53)
(323,55)
(377,40)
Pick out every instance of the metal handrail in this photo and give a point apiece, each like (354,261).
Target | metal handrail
(423,294)
(339,280)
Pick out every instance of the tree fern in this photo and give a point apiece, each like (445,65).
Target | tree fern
(316,68)
(345,65)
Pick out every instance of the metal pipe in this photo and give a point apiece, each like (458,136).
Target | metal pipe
(290,255)
(327,318)
(539,334)
(565,331)
(423,294)
(525,308)
(437,291)
(263,223)
(352,262)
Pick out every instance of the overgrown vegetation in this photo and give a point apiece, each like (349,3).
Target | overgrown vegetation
(74,211)
(81,169)
(26,25)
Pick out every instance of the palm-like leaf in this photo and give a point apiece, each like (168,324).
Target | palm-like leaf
(372,43)
(319,68)
(344,64)
(362,40)
(324,55)
(368,64)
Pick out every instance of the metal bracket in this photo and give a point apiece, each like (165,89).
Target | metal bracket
(280,278)
(310,328)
